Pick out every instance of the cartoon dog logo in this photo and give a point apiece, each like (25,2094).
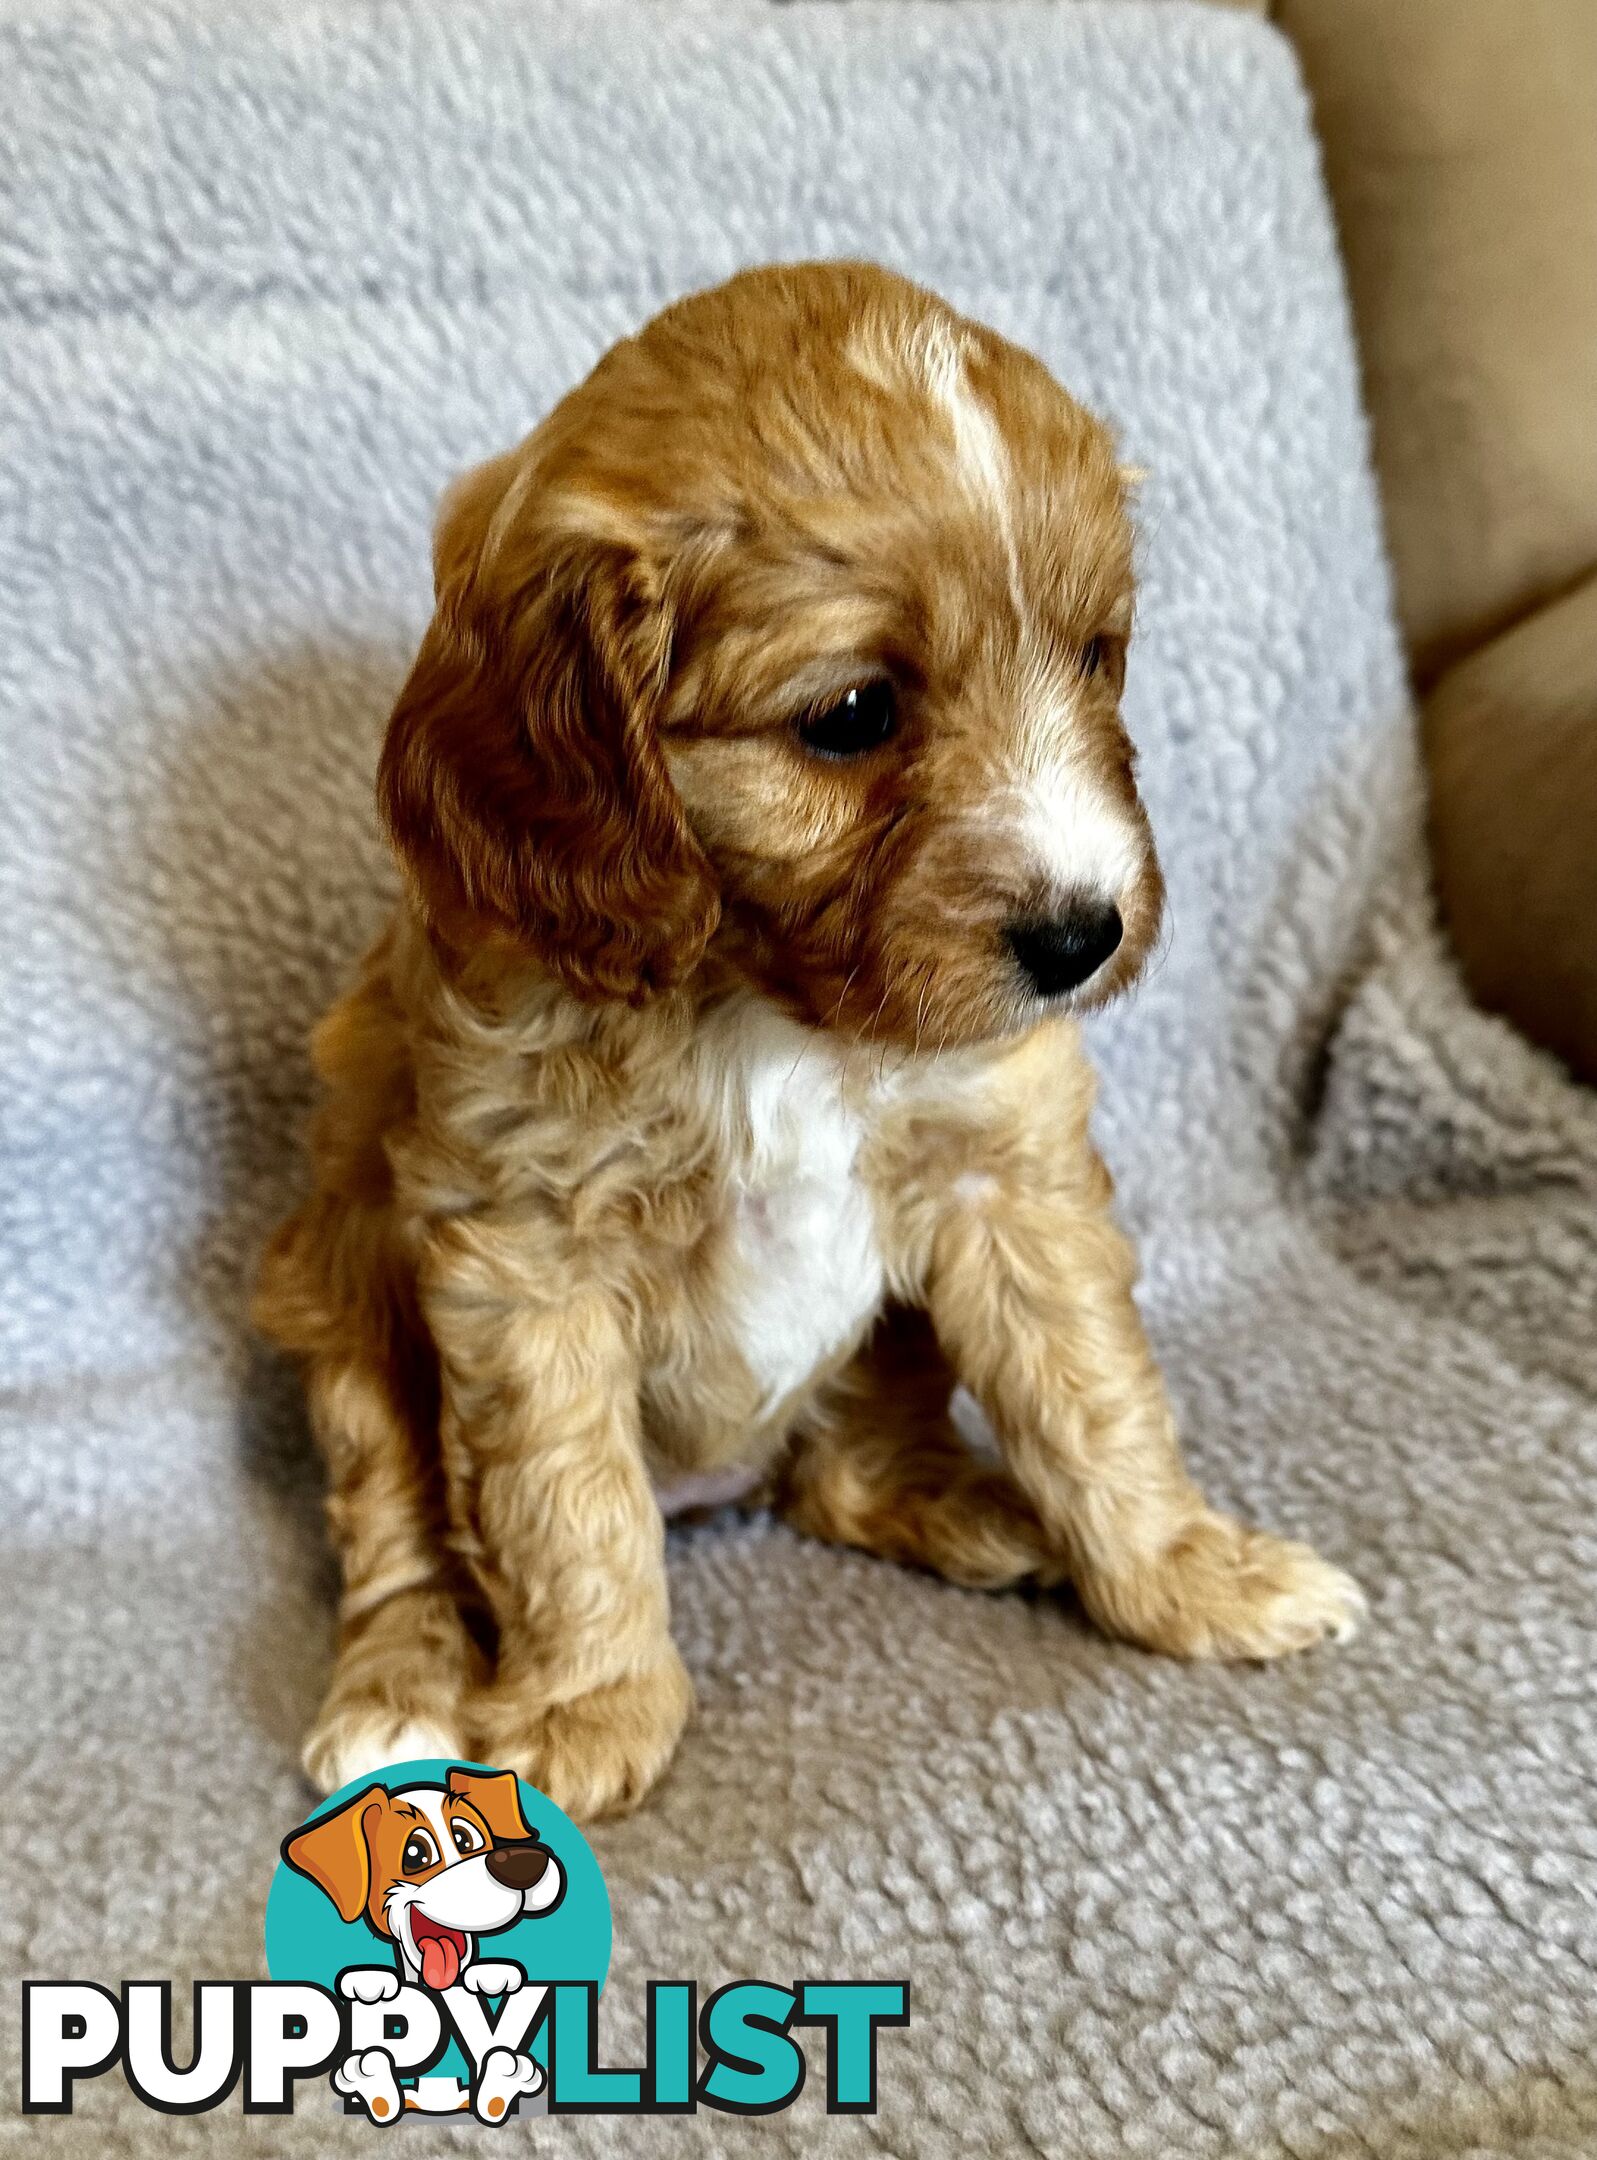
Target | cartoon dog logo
(432,1869)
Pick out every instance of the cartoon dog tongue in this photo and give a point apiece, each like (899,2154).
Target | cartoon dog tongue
(440,1960)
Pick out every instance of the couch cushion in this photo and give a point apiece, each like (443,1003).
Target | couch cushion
(1511,739)
(1461,144)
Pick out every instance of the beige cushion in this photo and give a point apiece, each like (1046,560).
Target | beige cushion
(1511,738)
(1461,146)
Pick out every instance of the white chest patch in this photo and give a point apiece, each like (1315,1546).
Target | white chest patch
(806,1272)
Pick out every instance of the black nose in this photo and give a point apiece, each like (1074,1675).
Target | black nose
(518,1866)
(1059,952)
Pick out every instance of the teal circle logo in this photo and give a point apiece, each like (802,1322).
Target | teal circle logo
(454,1879)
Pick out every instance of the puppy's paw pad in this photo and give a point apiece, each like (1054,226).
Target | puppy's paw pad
(1225,1591)
(490,1977)
(369,1984)
(505,2078)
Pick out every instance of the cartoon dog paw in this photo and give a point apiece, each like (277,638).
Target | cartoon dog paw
(493,1977)
(505,2077)
(369,1984)
(369,2078)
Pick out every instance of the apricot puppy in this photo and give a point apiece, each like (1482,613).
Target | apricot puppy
(715,1100)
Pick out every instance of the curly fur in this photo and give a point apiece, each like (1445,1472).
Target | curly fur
(693,1119)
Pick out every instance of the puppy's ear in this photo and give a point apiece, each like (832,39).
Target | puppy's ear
(522,782)
(495,1796)
(334,1851)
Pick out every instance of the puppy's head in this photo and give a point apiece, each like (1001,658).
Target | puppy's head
(799,627)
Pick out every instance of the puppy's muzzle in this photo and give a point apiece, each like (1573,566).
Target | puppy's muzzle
(517,1866)
(1057,953)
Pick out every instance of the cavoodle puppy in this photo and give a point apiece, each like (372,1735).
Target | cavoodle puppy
(715,1102)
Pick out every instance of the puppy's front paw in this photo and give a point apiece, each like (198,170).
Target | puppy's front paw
(597,1754)
(349,1742)
(396,1690)
(493,1977)
(369,1983)
(1222,1590)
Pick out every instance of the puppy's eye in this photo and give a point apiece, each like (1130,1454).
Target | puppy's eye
(858,721)
(1104,657)
(468,1838)
(420,1852)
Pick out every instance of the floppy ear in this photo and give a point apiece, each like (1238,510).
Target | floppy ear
(333,1851)
(522,782)
(497,1800)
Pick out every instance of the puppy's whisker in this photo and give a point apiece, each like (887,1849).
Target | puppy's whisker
(841,1075)
(870,1033)
(920,1006)
(848,984)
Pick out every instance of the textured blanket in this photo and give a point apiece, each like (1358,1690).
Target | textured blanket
(268,276)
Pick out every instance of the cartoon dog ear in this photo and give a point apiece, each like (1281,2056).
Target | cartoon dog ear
(497,1799)
(522,781)
(335,1852)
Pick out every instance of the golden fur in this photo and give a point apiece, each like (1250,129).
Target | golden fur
(693,1119)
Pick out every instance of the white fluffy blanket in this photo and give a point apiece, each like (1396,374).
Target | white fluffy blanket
(269,274)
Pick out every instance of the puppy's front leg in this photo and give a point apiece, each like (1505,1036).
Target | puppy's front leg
(552,1508)
(1029,1285)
